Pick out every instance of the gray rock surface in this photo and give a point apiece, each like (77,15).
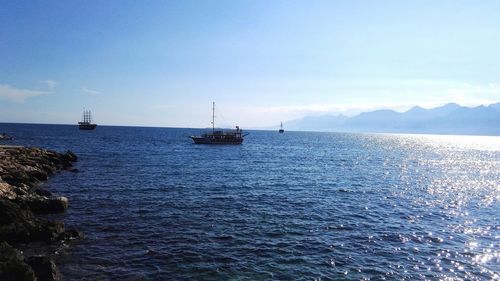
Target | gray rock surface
(21,170)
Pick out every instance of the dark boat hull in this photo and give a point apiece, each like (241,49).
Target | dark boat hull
(87,127)
(202,140)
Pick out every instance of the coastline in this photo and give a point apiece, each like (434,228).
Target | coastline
(21,200)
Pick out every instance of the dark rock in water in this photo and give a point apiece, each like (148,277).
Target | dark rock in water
(42,192)
(70,156)
(12,265)
(44,267)
(73,170)
(48,231)
(70,234)
(67,159)
(58,204)
(44,205)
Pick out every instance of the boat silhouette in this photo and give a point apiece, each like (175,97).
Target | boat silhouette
(219,136)
(86,123)
(281,130)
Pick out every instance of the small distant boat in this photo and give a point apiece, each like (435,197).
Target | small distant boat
(281,128)
(219,136)
(4,136)
(86,123)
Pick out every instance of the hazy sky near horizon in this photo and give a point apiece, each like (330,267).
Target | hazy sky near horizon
(162,63)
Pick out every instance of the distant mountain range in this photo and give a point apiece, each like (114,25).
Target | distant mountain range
(447,119)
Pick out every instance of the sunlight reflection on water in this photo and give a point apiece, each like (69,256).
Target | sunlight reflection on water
(462,176)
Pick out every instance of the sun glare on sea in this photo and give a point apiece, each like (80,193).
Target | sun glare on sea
(454,170)
(461,142)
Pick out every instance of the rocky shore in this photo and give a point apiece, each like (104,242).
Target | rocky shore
(21,199)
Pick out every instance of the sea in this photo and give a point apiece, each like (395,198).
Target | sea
(295,206)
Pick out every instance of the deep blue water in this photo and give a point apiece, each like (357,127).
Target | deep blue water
(292,206)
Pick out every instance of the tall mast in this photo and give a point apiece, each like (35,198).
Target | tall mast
(213,117)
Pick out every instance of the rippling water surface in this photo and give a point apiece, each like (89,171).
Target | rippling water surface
(293,206)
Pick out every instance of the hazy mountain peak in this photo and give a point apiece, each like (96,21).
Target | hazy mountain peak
(450,118)
(379,112)
(447,107)
(416,109)
(495,106)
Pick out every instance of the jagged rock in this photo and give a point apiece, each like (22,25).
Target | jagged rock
(17,223)
(39,174)
(12,265)
(42,192)
(70,156)
(48,231)
(6,190)
(59,204)
(70,234)
(44,267)
(11,212)
(44,205)
(21,169)
(22,189)
(18,177)
(23,165)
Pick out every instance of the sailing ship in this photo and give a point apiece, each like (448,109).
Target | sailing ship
(219,136)
(281,128)
(86,123)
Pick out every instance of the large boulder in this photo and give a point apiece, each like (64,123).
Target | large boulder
(44,267)
(70,234)
(69,157)
(19,225)
(42,192)
(17,222)
(6,190)
(17,176)
(12,265)
(48,231)
(44,205)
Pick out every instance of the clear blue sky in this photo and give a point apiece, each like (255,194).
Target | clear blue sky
(162,63)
